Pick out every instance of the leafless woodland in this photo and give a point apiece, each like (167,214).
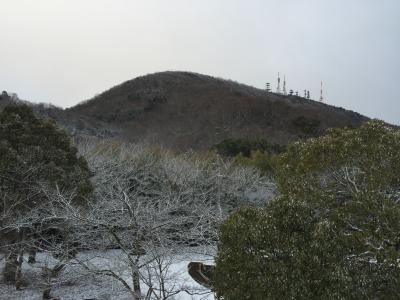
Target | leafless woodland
(148,208)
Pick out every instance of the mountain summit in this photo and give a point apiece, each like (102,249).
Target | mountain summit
(183,110)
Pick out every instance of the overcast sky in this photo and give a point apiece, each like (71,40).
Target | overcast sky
(65,51)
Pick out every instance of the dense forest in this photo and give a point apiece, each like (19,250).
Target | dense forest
(317,219)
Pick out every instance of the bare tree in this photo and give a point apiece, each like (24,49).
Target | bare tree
(44,228)
(148,209)
(150,205)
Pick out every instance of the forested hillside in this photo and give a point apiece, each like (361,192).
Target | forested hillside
(182,111)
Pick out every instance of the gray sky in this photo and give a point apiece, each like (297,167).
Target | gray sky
(65,51)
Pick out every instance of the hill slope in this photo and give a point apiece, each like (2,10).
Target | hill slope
(182,110)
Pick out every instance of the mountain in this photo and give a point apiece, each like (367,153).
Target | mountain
(182,110)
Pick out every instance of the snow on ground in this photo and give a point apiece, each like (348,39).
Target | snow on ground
(75,283)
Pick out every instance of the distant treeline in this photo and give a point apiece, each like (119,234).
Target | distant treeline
(258,153)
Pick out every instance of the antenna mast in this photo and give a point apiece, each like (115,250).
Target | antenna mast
(321,98)
(284,85)
(278,88)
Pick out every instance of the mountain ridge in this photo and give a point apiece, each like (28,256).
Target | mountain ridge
(186,110)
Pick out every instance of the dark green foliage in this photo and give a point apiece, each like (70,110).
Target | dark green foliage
(234,147)
(35,153)
(263,161)
(335,231)
(257,153)
(306,125)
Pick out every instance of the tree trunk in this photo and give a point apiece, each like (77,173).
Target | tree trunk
(136,282)
(46,292)
(162,283)
(11,265)
(32,256)
(149,292)
(18,273)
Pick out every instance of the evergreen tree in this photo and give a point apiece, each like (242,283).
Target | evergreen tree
(335,231)
(35,155)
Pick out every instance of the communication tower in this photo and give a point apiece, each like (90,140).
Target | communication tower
(321,97)
(278,88)
(284,85)
(267,87)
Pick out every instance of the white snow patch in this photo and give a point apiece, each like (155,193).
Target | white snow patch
(76,283)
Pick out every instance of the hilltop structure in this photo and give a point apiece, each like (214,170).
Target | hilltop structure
(321,97)
(283,91)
